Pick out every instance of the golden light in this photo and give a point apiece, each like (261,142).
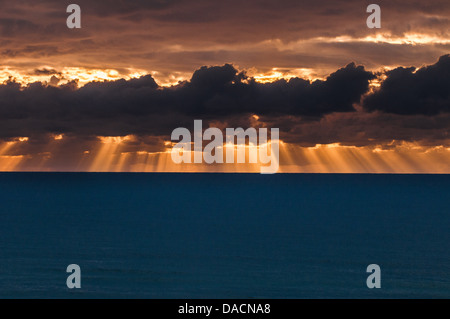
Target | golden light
(67,74)
(110,154)
(9,163)
(114,139)
(276,74)
(58,137)
(106,153)
(407,38)
(83,75)
(335,158)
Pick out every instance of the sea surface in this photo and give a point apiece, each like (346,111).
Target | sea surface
(224,235)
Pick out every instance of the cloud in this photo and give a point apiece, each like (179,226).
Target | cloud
(46,71)
(365,129)
(170,36)
(306,112)
(139,106)
(414,91)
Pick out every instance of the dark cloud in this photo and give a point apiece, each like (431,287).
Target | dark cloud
(140,106)
(414,91)
(363,129)
(45,71)
(307,113)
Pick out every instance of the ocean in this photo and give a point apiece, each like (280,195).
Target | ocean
(224,235)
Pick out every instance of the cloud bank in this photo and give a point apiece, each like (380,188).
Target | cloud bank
(410,105)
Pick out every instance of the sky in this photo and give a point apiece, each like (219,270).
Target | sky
(106,97)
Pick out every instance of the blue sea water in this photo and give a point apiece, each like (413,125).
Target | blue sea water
(224,235)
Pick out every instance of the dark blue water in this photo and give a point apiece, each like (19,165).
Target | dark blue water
(224,235)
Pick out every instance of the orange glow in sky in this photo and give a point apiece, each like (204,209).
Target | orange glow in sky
(109,155)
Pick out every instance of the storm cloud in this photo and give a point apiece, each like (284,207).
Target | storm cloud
(139,106)
(414,91)
(408,106)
